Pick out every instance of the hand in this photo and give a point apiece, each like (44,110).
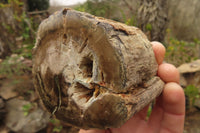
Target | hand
(168,113)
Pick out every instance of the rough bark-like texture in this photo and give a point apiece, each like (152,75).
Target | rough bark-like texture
(4,49)
(7,25)
(92,72)
(154,13)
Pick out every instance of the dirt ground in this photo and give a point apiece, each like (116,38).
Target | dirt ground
(192,121)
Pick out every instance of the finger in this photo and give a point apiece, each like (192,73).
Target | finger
(159,51)
(155,118)
(136,123)
(168,73)
(143,113)
(173,104)
(169,110)
(173,98)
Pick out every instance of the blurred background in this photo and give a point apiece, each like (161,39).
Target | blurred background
(174,23)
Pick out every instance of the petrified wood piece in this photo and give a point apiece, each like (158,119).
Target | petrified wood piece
(92,72)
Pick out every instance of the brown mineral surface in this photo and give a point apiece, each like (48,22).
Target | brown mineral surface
(92,72)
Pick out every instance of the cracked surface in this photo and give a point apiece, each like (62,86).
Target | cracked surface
(92,72)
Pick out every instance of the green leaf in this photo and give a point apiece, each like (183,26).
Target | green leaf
(148,27)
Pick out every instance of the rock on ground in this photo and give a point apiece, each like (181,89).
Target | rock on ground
(190,75)
(18,119)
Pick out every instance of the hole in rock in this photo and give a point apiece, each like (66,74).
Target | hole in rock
(83,92)
(65,36)
(86,66)
(64,11)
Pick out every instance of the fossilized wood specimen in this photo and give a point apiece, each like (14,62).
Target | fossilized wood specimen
(92,72)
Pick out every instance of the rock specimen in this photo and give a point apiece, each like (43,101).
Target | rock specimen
(91,72)
(190,75)
(16,120)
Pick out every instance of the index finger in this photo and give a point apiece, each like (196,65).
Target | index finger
(159,51)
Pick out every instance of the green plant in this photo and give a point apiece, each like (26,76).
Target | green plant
(18,2)
(7,3)
(12,66)
(26,108)
(16,81)
(148,27)
(193,93)
(102,8)
(149,111)
(7,27)
(130,21)
(26,28)
(25,50)
(179,52)
(57,127)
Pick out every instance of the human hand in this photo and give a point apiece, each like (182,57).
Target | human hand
(168,113)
